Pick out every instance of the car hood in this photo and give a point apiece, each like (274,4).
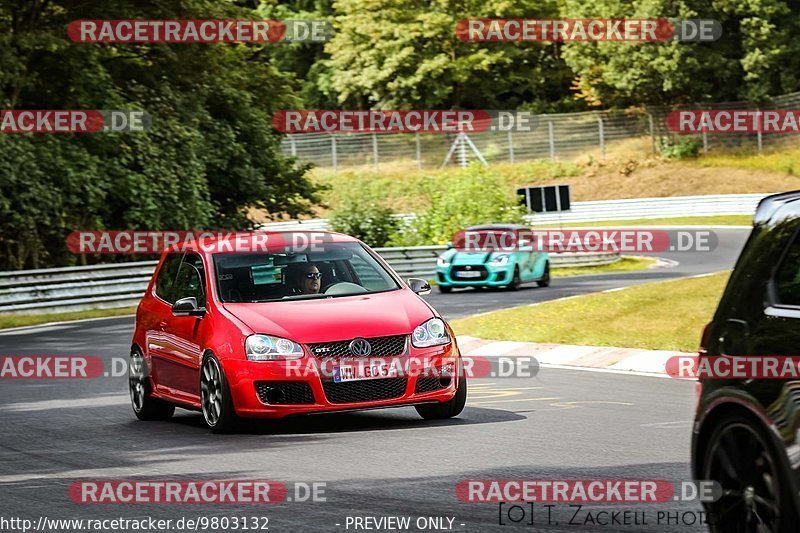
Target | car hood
(365,315)
(470,258)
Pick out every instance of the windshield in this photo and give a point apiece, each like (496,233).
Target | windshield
(487,240)
(340,269)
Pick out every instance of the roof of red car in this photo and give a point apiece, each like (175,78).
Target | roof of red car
(257,240)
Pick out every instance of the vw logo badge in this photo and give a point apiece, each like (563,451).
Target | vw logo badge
(468,267)
(360,347)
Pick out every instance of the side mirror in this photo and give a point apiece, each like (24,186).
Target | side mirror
(187,307)
(419,286)
(449,245)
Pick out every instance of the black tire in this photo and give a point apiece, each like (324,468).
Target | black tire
(545,281)
(516,281)
(145,407)
(449,409)
(444,290)
(216,402)
(756,493)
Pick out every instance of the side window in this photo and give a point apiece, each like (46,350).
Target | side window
(191,280)
(787,278)
(165,282)
(368,276)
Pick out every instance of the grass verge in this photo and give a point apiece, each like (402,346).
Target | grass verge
(623,265)
(781,159)
(14,321)
(668,315)
(624,174)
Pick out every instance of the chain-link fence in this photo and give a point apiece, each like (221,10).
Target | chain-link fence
(600,135)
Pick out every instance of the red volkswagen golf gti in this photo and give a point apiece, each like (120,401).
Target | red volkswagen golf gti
(279,330)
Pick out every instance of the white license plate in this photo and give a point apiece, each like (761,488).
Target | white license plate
(468,274)
(357,372)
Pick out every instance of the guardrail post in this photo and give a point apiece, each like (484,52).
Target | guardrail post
(705,141)
(419,151)
(334,157)
(758,130)
(652,133)
(552,140)
(510,148)
(463,160)
(602,138)
(292,146)
(375,152)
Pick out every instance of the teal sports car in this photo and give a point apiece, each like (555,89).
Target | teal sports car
(502,268)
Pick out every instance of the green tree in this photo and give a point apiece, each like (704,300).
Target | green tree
(210,157)
(361,215)
(477,195)
(756,57)
(404,54)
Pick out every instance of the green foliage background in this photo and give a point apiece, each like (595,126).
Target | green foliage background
(212,155)
(477,196)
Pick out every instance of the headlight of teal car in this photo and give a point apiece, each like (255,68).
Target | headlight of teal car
(441,262)
(269,348)
(430,333)
(500,260)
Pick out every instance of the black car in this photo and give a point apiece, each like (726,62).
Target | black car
(747,431)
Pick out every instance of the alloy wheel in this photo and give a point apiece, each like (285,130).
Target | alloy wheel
(136,381)
(740,461)
(211,391)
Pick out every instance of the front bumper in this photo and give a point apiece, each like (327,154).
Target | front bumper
(489,276)
(254,384)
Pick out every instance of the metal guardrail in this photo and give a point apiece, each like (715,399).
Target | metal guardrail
(122,285)
(599,210)
(649,208)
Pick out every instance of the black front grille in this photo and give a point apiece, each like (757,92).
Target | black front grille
(284,392)
(480,269)
(431,384)
(368,390)
(381,347)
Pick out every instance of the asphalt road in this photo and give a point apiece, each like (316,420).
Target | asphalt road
(560,424)
(463,302)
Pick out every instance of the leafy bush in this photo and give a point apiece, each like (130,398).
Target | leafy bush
(684,148)
(361,215)
(478,196)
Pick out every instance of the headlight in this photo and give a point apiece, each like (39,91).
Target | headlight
(442,262)
(431,333)
(500,260)
(269,348)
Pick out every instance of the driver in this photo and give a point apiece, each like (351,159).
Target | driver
(304,278)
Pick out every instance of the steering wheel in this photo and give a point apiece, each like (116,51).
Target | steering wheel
(343,287)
